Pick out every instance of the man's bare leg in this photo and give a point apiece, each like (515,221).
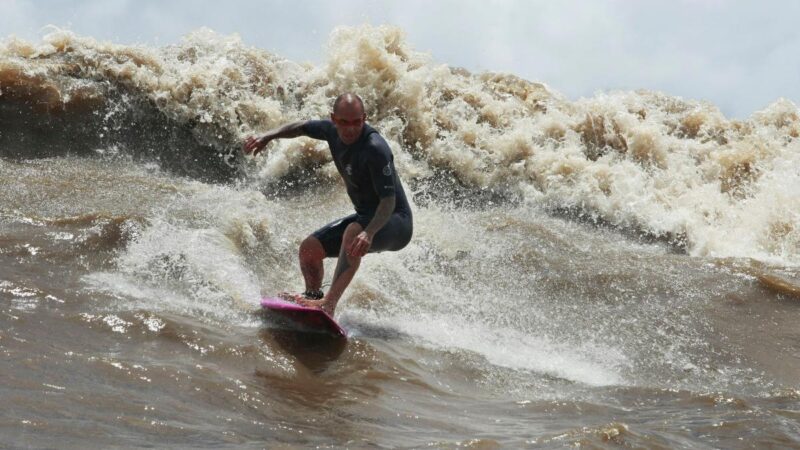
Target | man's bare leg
(311,255)
(346,268)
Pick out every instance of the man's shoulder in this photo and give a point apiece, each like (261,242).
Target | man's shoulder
(318,129)
(374,139)
(326,123)
(319,124)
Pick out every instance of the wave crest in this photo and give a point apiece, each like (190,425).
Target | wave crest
(664,165)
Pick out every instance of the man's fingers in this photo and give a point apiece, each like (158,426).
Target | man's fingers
(359,246)
(253,145)
(355,247)
(362,248)
(249,144)
(365,244)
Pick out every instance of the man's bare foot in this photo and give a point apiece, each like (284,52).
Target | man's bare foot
(291,297)
(319,304)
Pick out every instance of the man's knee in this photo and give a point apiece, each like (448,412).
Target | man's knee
(351,232)
(311,249)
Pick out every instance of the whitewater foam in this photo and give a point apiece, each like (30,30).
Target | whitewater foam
(669,167)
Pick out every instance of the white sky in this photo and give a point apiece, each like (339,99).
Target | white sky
(739,55)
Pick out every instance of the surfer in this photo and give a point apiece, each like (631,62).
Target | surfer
(382,220)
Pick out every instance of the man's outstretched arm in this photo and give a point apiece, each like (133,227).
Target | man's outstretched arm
(254,144)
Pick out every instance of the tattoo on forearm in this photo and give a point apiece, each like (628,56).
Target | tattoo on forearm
(382,215)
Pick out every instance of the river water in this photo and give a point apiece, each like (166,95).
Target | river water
(616,271)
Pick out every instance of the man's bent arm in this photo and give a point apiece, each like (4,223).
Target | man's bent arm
(382,215)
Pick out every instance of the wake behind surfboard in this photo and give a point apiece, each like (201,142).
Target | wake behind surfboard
(302,318)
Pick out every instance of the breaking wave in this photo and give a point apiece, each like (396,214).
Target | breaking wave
(645,161)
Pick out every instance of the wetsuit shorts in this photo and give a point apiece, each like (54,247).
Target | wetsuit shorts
(395,235)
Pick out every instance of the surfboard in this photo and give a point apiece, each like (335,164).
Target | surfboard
(302,318)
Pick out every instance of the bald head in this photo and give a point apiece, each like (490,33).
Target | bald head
(348,101)
(348,117)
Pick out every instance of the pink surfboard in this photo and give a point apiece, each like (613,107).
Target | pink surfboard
(305,318)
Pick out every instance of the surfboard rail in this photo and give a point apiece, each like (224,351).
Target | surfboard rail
(303,317)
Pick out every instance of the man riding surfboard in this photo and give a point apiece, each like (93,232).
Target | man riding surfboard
(382,220)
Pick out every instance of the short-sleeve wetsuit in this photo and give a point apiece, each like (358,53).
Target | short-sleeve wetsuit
(367,167)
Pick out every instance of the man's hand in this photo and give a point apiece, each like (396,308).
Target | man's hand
(360,245)
(254,144)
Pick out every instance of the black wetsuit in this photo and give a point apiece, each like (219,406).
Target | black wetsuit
(367,167)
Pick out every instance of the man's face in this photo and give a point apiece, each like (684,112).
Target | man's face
(349,120)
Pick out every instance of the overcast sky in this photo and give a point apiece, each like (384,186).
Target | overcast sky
(739,55)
